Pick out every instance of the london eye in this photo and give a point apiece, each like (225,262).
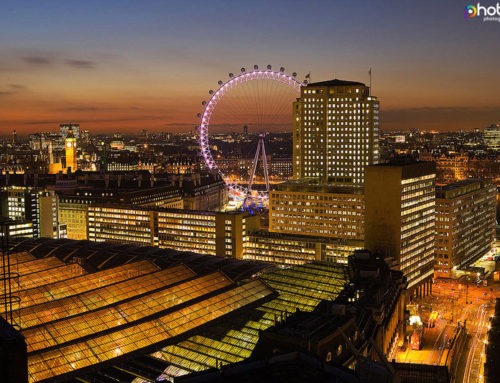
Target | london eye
(260,101)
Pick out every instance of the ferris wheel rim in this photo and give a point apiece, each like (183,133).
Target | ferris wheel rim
(209,108)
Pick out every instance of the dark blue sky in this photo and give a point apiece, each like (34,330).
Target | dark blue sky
(149,63)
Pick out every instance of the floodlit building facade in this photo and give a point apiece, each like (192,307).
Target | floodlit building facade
(204,232)
(465,224)
(70,151)
(296,249)
(308,207)
(336,130)
(73,214)
(492,137)
(400,218)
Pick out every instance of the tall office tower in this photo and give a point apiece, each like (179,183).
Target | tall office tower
(465,224)
(34,205)
(70,150)
(400,217)
(492,137)
(65,128)
(245,130)
(336,129)
(14,137)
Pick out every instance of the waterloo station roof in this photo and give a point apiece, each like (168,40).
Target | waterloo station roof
(99,312)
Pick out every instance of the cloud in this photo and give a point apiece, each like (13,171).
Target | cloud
(79,109)
(89,120)
(17,86)
(12,89)
(37,60)
(93,108)
(82,64)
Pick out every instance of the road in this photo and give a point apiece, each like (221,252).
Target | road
(449,300)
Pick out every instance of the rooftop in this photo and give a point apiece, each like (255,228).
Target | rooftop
(316,185)
(108,312)
(335,82)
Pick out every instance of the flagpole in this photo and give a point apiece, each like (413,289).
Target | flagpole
(370,73)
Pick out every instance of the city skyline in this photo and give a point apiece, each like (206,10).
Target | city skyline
(127,67)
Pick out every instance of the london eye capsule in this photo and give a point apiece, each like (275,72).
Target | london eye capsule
(255,67)
(269,67)
(243,70)
(220,82)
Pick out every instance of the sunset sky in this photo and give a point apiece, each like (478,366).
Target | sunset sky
(132,65)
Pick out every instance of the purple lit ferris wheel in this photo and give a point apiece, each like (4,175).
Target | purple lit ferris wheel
(259,99)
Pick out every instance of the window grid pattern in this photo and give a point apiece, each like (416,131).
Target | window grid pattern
(324,281)
(78,285)
(95,299)
(37,265)
(45,277)
(94,322)
(103,348)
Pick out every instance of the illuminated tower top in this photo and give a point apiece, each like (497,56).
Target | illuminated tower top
(335,131)
(70,148)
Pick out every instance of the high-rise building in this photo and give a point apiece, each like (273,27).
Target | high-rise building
(308,207)
(492,137)
(65,128)
(34,205)
(14,137)
(400,218)
(336,133)
(70,150)
(465,224)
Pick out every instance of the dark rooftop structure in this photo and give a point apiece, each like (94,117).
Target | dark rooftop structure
(13,359)
(335,82)
(287,368)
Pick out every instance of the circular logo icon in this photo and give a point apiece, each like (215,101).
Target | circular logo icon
(470,12)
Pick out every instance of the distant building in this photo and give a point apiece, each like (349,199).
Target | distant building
(281,168)
(292,249)
(336,132)
(400,218)
(73,207)
(492,137)
(465,224)
(202,231)
(308,207)
(65,128)
(182,165)
(208,193)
